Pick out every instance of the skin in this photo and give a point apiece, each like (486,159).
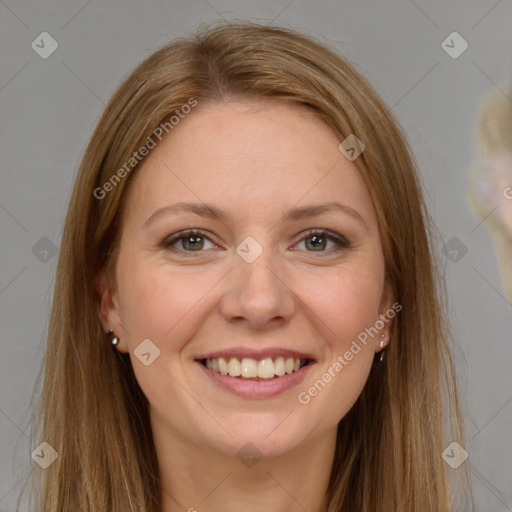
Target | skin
(255,159)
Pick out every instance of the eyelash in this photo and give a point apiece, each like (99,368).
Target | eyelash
(341,242)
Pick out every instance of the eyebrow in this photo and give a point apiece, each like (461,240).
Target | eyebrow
(294,214)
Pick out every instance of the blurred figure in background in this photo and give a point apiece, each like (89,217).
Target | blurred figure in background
(491,182)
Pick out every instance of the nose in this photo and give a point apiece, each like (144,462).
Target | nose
(257,293)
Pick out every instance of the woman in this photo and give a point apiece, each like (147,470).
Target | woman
(256,373)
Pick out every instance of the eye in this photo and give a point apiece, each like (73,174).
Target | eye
(317,240)
(193,240)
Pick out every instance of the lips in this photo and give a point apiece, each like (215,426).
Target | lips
(260,354)
(256,373)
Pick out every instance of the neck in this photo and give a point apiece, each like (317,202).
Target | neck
(196,478)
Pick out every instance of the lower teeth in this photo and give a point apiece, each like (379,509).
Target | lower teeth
(254,378)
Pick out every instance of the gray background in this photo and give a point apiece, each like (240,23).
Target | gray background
(49,108)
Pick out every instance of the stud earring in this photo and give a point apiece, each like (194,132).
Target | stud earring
(115,339)
(381,358)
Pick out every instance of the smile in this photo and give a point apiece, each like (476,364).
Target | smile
(255,374)
(247,368)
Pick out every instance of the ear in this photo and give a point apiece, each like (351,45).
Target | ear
(107,309)
(388,309)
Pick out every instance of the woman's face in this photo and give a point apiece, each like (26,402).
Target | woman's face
(253,287)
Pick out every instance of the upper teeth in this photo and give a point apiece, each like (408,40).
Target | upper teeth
(251,368)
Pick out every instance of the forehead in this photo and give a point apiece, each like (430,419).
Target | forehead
(251,155)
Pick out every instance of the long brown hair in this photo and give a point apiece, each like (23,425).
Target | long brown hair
(92,411)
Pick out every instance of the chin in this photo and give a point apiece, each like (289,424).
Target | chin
(266,435)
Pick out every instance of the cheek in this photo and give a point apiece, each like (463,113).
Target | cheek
(351,310)
(346,299)
(347,303)
(145,298)
(156,298)
(158,303)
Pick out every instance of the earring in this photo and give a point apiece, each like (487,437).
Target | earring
(381,358)
(115,339)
